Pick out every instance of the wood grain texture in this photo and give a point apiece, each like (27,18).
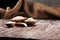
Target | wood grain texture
(44,29)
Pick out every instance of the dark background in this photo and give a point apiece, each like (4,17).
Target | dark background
(7,3)
(11,3)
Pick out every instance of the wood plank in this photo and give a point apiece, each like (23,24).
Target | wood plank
(44,29)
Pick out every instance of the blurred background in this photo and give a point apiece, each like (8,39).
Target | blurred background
(11,3)
(48,2)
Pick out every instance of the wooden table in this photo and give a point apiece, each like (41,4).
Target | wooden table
(44,29)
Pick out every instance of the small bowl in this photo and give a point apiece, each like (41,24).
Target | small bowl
(16,20)
(30,21)
(10,24)
(21,24)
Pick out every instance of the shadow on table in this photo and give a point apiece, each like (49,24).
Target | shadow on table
(16,38)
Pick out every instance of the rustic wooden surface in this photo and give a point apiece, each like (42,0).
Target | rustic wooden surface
(44,29)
